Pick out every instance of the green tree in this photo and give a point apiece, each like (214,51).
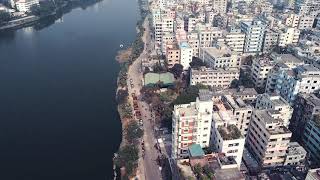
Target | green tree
(122,96)
(197,62)
(133,132)
(197,170)
(128,157)
(177,70)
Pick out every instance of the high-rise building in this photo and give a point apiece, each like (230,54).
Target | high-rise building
(254,32)
(276,103)
(303,79)
(225,135)
(191,124)
(217,77)
(268,139)
(186,53)
(311,139)
(220,6)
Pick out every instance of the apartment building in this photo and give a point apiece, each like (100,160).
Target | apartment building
(225,135)
(307,6)
(288,36)
(254,32)
(311,139)
(219,6)
(268,140)
(306,106)
(220,56)
(302,79)
(241,111)
(217,77)
(270,40)
(191,124)
(186,53)
(207,35)
(194,43)
(172,55)
(234,39)
(313,174)
(166,39)
(161,26)
(26,5)
(259,71)
(276,103)
(296,155)
(284,62)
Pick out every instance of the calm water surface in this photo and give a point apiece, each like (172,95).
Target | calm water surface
(58,118)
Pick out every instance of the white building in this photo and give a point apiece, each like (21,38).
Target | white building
(235,39)
(220,56)
(268,139)
(254,32)
(220,6)
(259,71)
(214,77)
(303,79)
(277,103)
(295,155)
(288,36)
(191,124)
(225,135)
(26,5)
(186,53)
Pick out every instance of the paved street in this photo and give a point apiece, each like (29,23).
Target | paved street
(150,168)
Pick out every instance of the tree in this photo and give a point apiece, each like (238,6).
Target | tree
(176,70)
(188,95)
(133,132)
(122,96)
(235,83)
(158,68)
(208,171)
(128,157)
(197,62)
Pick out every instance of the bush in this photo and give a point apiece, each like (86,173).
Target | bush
(128,157)
(133,132)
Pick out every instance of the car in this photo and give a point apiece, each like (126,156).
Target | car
(131,80)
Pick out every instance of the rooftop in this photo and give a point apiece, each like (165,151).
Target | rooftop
(195,150)
(230,132)
(154,78)
(294,148)
(219,51)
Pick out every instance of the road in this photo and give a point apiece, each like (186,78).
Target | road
(148,167)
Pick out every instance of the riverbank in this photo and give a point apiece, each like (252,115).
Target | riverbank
(60,9)
(128,162)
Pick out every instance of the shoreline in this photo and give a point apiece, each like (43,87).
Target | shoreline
(125,58)
(34,20)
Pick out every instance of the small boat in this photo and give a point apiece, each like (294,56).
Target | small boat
(121,45)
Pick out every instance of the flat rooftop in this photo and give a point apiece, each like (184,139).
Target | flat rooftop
(223,51)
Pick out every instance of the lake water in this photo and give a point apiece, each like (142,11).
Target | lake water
(58,118)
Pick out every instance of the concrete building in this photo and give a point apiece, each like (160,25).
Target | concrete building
(295,155)
(191,124)
(172,55)
(270,40)
(218,77)
(234,39)
(26,5)
(306,106)
(303,79)
(276,103)
(207,35)
(288,36)
(162,25)
(219,6)
(283,62)
(268,139)
(220,56)
(225,135)
(186,53)
(259,71)
(307,6)
(313,174)
(194,43)
(311,139)
(254,32)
